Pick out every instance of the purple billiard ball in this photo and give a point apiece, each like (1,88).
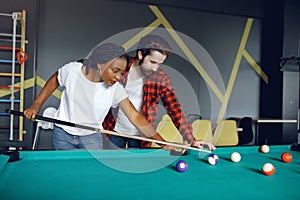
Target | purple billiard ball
(181,166)
(213,159)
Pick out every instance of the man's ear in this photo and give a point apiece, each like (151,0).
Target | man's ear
(140,55)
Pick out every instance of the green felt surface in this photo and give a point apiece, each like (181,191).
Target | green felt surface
(148,174)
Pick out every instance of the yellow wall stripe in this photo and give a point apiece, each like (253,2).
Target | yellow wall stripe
(255,66)
(144,32)
(41,82)
(188,53)
(235,69)
(27,84)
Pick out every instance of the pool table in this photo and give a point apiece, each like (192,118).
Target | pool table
(148,174)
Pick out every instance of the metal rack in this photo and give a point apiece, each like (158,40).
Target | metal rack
(295,67)
(16,46)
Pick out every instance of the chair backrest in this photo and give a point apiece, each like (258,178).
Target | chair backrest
(193,117)
(246,135)
(48,112)
(226,133)
(202,130)
(168,130)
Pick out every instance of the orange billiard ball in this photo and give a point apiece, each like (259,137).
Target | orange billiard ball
(286,157)
(268,169)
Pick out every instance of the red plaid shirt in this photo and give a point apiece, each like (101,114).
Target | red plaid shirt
(158,84)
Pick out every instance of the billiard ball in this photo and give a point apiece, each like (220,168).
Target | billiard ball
(181,166)
(268,169)
(235,157)
(213,159)
(264,148)
(286,157)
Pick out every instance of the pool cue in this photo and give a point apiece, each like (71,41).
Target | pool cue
(57,121)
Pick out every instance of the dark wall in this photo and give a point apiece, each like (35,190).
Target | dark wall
(290,69)
(228,7)
(271,93)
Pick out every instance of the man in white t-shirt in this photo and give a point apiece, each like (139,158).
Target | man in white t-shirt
(146,83)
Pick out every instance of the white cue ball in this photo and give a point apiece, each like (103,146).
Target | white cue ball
(235,157)
(264,148)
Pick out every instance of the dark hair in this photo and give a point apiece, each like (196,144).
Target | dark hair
(150,43)
(104,53)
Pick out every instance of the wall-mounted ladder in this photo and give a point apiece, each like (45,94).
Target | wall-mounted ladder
(13,43)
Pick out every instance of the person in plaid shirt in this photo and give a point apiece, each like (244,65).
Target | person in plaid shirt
(145,82)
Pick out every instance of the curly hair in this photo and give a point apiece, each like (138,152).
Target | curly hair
(104,53)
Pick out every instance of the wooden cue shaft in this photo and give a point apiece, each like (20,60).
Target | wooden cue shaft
(52,120)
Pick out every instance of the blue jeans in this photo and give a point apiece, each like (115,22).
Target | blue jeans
(120,142)
(61,140)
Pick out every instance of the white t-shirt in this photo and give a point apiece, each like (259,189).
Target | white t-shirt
(134,89)
(85,102)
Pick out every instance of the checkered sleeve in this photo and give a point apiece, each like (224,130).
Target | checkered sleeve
(109,122)
(174,109)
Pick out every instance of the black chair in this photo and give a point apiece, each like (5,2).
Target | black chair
(246,135)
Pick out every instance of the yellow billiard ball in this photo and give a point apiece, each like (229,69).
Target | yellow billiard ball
(264,148)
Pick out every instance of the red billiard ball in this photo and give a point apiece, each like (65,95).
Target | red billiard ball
(286,157)
(181,166)
(268,169)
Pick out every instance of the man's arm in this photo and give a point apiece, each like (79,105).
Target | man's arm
(174,110)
